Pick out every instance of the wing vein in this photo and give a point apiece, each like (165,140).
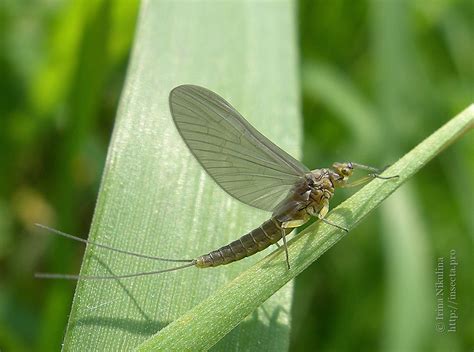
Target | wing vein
(241,160)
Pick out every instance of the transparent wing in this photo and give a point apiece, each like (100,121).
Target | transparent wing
(245,163)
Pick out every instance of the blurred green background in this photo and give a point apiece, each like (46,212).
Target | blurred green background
(376,78)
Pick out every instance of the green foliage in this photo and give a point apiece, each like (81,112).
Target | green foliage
(62,61)
(376,76)
(204,325)
(155,198)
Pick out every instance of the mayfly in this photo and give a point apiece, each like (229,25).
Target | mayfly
(250,168)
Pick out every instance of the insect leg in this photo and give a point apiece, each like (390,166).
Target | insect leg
(294,223)
(322,213)
(283,235)
(375,173)
(290,225)
(333,224)
(358,182)
(368,168)
(366,179)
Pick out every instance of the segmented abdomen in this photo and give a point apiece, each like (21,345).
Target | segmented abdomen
(255,241)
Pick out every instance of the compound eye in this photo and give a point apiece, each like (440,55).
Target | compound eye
(345,171)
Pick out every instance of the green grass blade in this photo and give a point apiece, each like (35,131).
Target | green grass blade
(205,324)
(325,83)
(156,199)
(404,233)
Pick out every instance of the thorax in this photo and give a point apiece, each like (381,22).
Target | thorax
(307,197)
(320,186)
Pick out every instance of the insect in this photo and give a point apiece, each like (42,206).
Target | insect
(250,168)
